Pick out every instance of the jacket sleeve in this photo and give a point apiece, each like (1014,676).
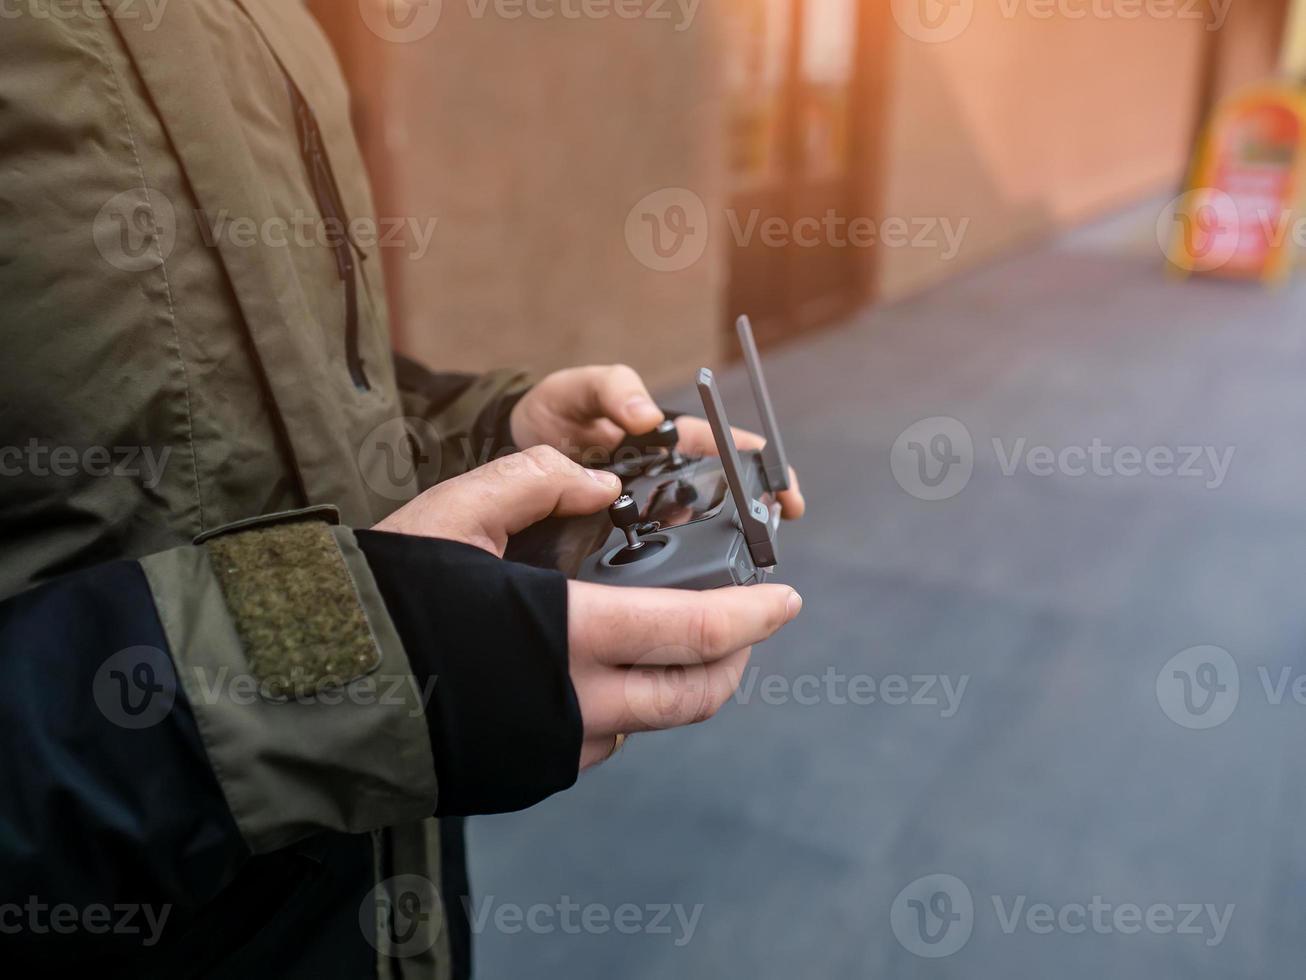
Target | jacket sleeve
(165,719)
(466,415)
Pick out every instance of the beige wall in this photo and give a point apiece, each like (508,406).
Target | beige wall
(1023,125)
(531,141)
(1027,124)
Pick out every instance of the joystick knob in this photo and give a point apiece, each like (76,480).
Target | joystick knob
(662,439)
(666,436)
(625,516)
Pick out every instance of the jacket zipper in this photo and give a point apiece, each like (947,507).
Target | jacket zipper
(327,193)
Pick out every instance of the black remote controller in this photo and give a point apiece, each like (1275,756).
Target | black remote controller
(685,523)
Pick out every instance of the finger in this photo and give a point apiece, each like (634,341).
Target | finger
(696,439)
(643,699)
(596,751)
(655,627)
(618,393)
(792,503)
(595,442)
(512,493)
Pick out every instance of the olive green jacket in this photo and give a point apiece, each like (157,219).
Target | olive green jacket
(176,359)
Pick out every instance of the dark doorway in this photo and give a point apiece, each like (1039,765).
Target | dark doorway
(802,77)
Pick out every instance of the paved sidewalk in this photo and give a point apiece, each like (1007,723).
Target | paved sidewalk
(1054,775)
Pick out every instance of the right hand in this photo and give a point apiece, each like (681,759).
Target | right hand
(641,659)
(647,659)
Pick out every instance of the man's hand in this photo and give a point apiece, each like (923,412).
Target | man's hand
(596,407)
(641,659)
(648,659)
(584,407)
(485,506)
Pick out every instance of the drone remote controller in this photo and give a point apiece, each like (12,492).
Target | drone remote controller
(680,522)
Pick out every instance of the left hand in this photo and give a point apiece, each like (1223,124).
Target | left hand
(598,406)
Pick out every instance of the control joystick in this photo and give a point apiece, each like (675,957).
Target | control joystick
(666,436)
(663,439)
(625,516)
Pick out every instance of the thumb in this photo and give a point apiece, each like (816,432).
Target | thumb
(618,393)
(514,492)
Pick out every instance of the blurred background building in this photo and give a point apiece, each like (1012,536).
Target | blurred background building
(533,136)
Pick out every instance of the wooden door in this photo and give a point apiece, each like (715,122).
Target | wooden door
(797,75)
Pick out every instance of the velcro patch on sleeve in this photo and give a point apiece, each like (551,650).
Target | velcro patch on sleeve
(295,608)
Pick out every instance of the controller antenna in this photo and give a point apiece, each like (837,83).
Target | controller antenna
(774,461)
(754,518)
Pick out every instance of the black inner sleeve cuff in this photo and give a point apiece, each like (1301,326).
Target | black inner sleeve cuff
(502,427)
(488,639)
(440,390)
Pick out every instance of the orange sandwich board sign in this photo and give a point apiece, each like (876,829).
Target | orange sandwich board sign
(1238,217)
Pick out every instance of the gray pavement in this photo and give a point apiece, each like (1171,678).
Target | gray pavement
(1069,771)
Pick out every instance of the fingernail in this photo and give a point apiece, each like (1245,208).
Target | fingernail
(609,480)
(794,606)
(639,405)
